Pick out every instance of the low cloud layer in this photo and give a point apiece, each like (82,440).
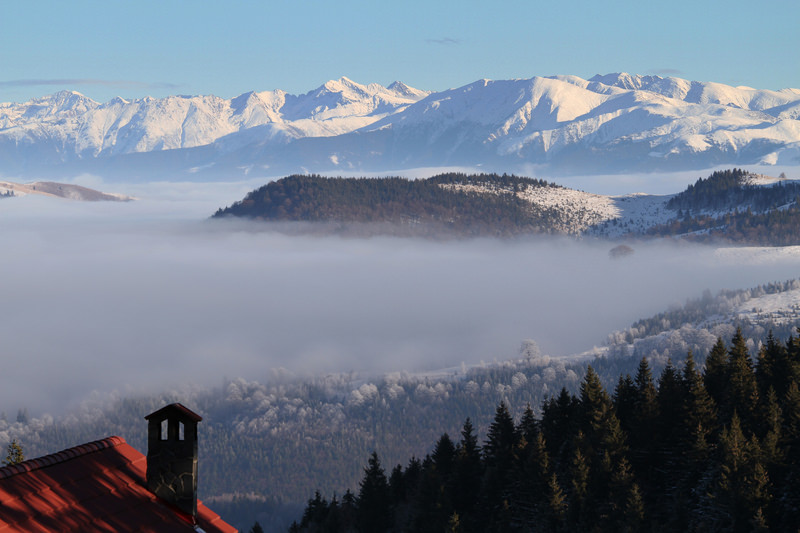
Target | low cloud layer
(146,295)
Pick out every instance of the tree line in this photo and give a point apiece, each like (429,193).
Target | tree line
(725,207)
(411,207)
(777,227)
(729,190)
(716,449)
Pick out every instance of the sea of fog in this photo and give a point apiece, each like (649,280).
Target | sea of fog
(146,295)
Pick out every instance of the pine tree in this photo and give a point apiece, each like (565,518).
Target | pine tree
(670,399)
(634,510)
(625,395)
(742,390)
(715,377)
(743,486)
(793,357)
(601,428)
(619,491)
(531,481)
(559,424)
(469,441)
(373,512)
(14,454)
(790,443)
(498,453)
(698,407)
(333,522)
(501,438)
(397,484)
(467,474)
(432,504)
(643,429)
(528,427)
(556,512)
(771,370)
(580,505)
(792,419)
(771,421)
(411,476)
(595,406)
(315,513)
(444,455)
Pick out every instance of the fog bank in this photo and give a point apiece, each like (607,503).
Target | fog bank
(144,295)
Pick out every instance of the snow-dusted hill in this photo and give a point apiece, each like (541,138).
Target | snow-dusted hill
(611,123)
(583,213)
(59,190)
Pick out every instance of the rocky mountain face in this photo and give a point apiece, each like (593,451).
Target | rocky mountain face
(564,124)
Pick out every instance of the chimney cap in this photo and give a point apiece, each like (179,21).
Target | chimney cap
(175,409)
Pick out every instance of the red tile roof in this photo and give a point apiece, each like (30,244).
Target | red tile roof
(99,486)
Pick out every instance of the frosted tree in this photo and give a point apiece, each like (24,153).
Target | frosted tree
(530,350)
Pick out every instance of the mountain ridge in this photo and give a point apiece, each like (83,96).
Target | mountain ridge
(609,123)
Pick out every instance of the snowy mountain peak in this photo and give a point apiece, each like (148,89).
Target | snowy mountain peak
(612,122)
(117,100)
(623,80)
(344,87)
(404,90)
(60,103)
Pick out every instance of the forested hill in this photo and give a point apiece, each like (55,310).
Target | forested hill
(712,450)
(731,206)
(736,206)
(733,190)
(448,204)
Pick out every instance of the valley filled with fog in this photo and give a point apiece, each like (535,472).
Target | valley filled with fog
(143,296)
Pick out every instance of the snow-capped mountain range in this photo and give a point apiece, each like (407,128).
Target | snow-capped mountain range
(616,122)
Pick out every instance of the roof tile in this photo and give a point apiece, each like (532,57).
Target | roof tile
(96,487)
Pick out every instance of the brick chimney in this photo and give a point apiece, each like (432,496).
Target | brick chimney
(172,456)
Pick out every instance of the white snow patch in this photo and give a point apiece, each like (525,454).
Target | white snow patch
(754,255)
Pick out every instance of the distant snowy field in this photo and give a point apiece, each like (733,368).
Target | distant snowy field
(756,255)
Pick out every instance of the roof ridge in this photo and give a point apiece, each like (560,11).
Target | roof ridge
(60,457)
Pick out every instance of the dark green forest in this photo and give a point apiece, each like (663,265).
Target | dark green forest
(716,449)
(726,190)
(400,206)
(723,207)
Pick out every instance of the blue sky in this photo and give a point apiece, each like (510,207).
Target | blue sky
(133,49)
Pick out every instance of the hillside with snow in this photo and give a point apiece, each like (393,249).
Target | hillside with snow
(59,190)
(730,206)
(562,124)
